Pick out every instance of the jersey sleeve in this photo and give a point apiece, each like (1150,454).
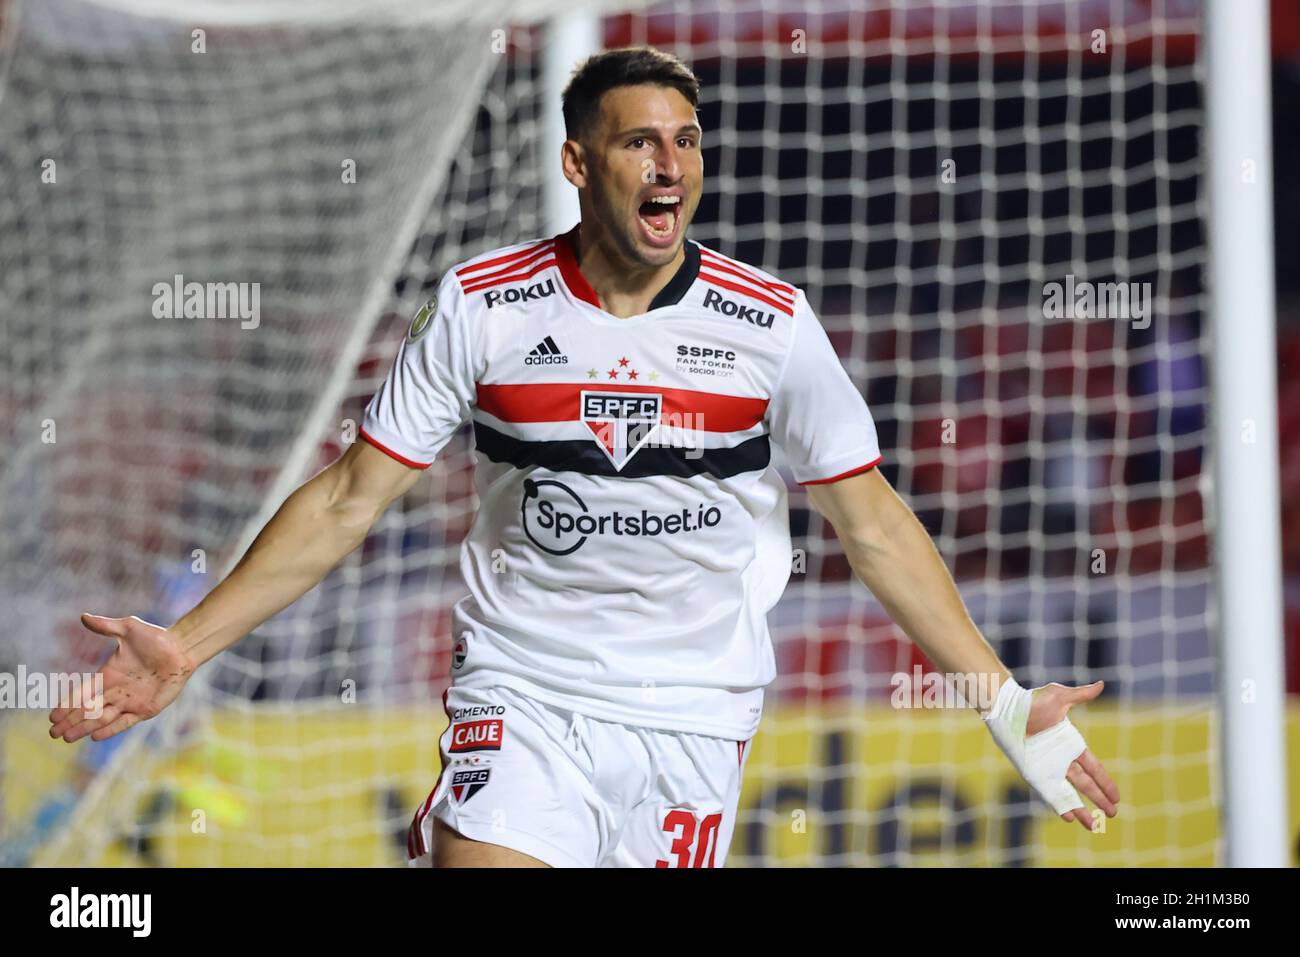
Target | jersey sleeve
(817,415)
(431,387)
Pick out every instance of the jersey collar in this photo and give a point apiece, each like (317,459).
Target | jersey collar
(566,255)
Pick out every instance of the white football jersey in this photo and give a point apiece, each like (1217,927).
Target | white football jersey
(631,533)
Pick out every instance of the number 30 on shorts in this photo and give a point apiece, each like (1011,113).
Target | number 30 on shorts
(682,825)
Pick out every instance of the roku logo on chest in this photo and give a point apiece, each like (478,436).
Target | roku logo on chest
(477,735)
(538,290)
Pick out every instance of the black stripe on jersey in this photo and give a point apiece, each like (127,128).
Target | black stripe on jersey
(585,457)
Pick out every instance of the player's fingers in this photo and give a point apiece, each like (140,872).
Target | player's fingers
(1083,693)
(117,727)
(71,719)
(83,721)
(1083,782)
(88,726)
(91,706)
(108,627)
(96,708)
(87,700)
(91,725)
(1081,816)
(1097,771)
(108,717)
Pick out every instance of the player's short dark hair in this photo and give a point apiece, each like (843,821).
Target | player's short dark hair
(626,66)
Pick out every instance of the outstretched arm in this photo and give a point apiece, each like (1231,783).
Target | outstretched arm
(320,523)
(893,555)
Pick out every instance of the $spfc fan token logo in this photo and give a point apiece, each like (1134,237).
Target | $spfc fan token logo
(421,321)
(622,422)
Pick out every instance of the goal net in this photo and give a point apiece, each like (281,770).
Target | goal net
(995,209)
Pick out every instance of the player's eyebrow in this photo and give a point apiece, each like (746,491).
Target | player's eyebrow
(651,131)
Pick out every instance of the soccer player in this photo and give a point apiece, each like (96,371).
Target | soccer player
(625,386)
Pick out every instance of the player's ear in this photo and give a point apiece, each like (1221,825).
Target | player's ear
(573,161)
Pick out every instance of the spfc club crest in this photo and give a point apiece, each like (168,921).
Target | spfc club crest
(622,422)
(465,784)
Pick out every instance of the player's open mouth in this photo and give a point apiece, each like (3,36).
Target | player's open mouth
(659,217)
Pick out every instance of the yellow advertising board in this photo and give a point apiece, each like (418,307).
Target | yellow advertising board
(869,786)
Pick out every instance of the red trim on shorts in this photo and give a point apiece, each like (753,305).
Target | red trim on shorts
(415,837)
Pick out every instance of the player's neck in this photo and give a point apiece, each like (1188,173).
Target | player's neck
(624,290)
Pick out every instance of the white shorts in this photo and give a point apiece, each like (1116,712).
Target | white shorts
(575,791)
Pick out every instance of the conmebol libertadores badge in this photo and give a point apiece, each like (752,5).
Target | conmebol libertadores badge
(421,321)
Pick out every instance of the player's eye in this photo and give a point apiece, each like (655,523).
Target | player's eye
(636,141)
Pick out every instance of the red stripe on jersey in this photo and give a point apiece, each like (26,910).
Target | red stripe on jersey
(747,290)
(844,475)
(498,279)
(390,453)
(513,263)
(566,253)
(560,402)
(722,264)
(518,254)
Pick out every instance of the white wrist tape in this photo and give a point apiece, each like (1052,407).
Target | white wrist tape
(1043,759)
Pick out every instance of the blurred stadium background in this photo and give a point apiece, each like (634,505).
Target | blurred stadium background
(920,169)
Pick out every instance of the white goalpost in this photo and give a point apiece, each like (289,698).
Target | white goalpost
(1249,553)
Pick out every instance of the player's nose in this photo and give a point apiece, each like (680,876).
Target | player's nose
(668,164)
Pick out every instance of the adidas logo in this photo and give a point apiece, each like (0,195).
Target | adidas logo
(547,353)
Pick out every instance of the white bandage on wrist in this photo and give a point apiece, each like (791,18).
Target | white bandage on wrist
(1043,759)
